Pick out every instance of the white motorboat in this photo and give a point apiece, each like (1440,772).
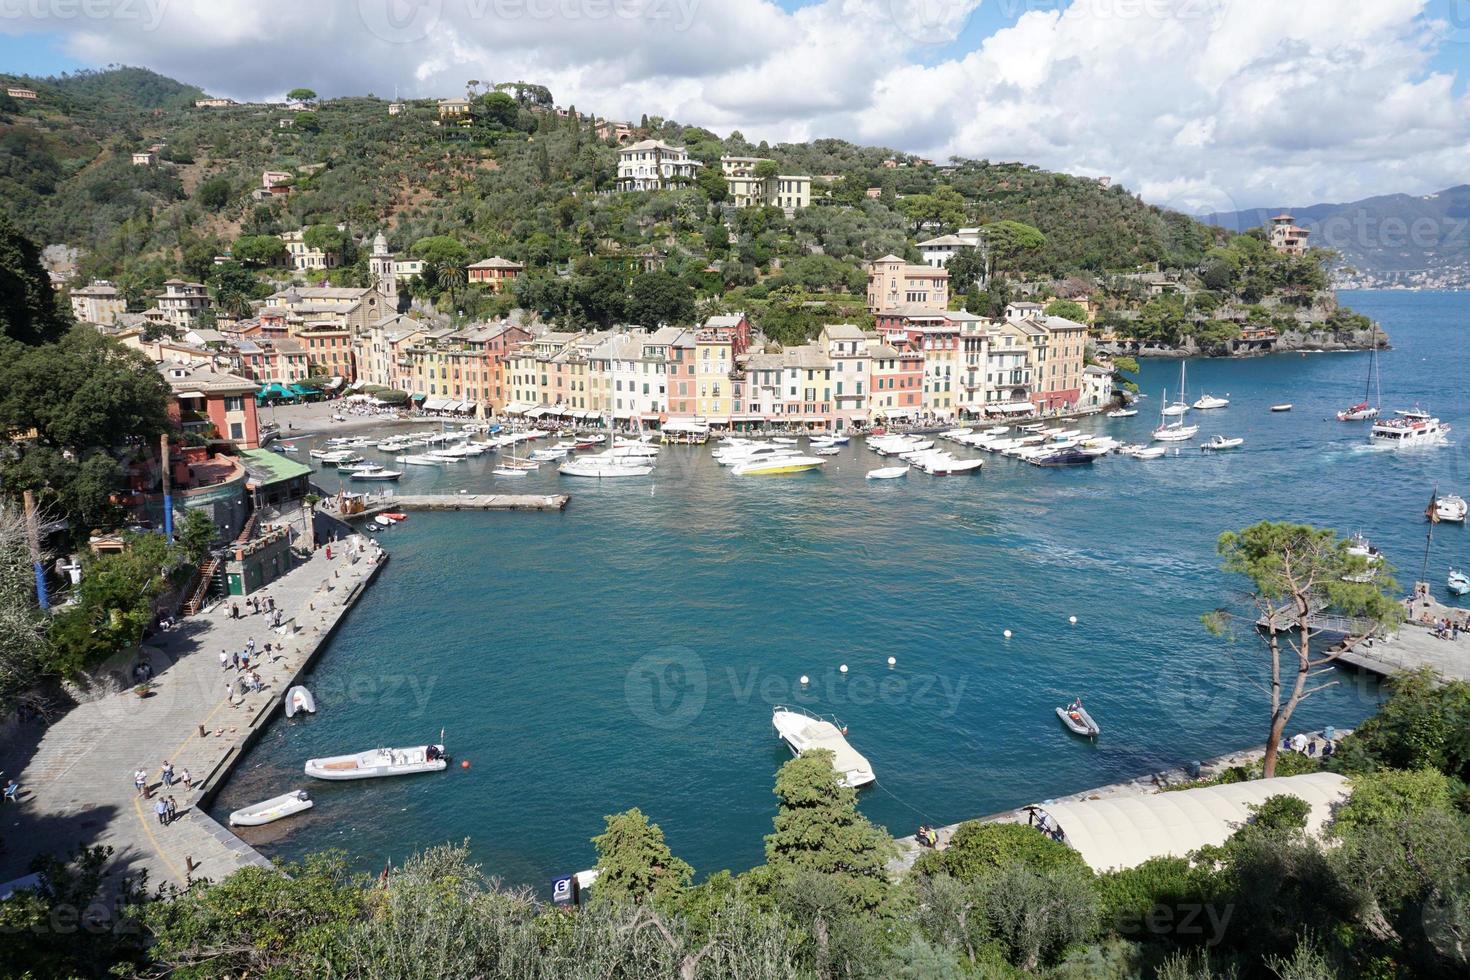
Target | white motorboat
(1411,427)
(1207,402)
(1360,547)
(1450,509)
(1458,582)
(299,699)
(887,473)
(1172,411)
(743,454)
(384,521)
(421,460)
(1149,452)
(446,457)
(1122,413)
(826,451)
(377,763)
(782,441)
(946,464)
(1217,441)
(777,466)
(549,454)
(997,430)
(377,474)
(603,467)
(271,810)
(1283,407)
(803,732)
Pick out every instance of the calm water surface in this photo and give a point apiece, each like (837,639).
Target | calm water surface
(627,652)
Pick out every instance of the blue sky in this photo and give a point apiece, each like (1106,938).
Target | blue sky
(1198,104)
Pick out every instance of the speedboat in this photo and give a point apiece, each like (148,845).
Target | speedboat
(299,699)
(1149,452)
(1450,509)
(1412,427)
(947,464)
(377,763)
(1360,547)
(1458,582)
(377,474)
(271,810)
(777,466)
(826,451)
(735,455)
(887,473)
(803,732)
(1068,456)
(1206,402)
(1283,407)
(286,447)
(1078,721)
(1218,441)
(1122,413)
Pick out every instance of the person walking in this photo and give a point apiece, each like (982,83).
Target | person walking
(161,808)
(166,774)
(186,779)
(140,780)
(250,645)
(224,660)
(235,658)
(173,810)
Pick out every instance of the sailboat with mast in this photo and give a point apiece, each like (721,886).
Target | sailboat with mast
(1366,410)
(1181,406)
(1175,431)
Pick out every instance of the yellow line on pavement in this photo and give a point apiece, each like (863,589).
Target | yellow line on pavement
(157,847)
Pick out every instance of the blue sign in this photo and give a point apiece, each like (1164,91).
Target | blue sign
(562,890)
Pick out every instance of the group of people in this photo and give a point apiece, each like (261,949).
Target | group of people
(927,837)
(167,810)
(167,777)
(1308,745)
(254,606)
(1447,629)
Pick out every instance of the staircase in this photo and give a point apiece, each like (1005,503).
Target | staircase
(207,574)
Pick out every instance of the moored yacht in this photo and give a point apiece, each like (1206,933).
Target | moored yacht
(803,732)
(777,466)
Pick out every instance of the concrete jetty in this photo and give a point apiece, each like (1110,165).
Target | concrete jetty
(76,775)
(458,501)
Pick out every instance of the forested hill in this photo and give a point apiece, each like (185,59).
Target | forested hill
(1390,240)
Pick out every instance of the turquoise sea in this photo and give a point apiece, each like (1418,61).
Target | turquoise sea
(627,651)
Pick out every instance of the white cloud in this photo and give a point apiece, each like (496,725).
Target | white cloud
(1190,102)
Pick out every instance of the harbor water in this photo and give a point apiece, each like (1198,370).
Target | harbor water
(627,651)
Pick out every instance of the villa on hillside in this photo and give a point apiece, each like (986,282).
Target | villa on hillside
(651,165)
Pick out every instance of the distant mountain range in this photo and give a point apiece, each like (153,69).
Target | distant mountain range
(1393,240)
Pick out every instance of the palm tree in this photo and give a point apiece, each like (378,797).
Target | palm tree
(451,277)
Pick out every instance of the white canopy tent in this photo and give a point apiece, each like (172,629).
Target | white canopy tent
(1125,831)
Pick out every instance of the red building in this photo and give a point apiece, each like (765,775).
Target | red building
(206,398)
(495,272)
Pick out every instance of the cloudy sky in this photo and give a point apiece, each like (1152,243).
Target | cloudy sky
(1197,104)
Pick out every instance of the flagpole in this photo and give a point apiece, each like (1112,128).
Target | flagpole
(1431,512)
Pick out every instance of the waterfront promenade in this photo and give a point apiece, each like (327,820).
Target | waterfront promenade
(76,775)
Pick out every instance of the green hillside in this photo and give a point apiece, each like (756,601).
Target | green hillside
(522,182)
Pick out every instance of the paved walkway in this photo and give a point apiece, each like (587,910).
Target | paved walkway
(77,780)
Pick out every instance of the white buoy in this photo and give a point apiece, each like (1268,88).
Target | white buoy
(843,668)
(1072,620)
(892,661)
(1007,634)
(805,680)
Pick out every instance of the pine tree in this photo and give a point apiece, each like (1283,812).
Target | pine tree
(818,829)
(635,865)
